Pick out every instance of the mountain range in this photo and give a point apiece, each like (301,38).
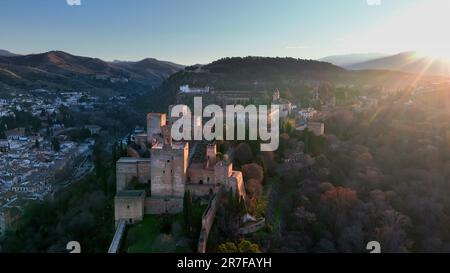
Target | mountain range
(6,53)
(411,62)
(58,69)
(350,59)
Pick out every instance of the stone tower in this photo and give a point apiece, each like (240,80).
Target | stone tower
(154,123)
(166,136)
(211,152)
(276,96)
(222,170)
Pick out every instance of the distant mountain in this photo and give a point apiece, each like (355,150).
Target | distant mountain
(149,68)
(6,53)
(410,62)
(351,59)
(61,70)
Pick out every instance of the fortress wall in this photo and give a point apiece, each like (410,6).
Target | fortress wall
(144,171)
(207,222)
(129,208)
(127,168)
(222,170)
(162,172)
(253,227)
(201,190)
(141,140)
(201,176)
(124,173)
(169,170)
(236,182)
(160,205)
(179,165)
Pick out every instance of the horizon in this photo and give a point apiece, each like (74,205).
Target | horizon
(170,61)
(158,29)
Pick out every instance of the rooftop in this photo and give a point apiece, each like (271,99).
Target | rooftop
(131,193)
(132,160)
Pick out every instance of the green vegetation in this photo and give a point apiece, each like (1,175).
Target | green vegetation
(78,135)
(55,144)
(244,246)
(165,233)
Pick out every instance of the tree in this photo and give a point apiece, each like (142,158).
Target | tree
(248,247)
(244,246)
(253,171)
(187,212)
(55,144)
(253,188)
(228,247)
(243,154)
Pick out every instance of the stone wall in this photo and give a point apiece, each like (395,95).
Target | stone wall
(161,205)
(222,170)
(118,237)
(207,222)
(129,206)
(127,168)
(252,227)
(154,123)
(169,170)
(199,175)
(211,152)
(141,140)
(236,182)
(198,190)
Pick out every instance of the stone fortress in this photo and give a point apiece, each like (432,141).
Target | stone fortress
(156,183)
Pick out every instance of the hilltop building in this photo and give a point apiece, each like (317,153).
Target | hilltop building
(157,184)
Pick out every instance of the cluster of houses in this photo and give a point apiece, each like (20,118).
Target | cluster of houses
(30,167)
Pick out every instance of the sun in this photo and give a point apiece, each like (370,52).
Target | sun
(420,27)
(427,24)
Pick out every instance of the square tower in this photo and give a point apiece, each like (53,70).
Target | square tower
(211,152)
(154,123)
(169,169)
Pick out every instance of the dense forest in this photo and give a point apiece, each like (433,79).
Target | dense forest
(382,176)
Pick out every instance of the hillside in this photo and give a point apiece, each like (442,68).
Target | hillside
(347,60)
(410,62)
(61,70)
(149,68)
(261,73)
(6,53)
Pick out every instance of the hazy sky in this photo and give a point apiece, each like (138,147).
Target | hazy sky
(199,31)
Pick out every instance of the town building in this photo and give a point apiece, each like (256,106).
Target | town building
(15,134)
(318,128)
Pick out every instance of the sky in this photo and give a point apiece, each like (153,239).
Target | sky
(201,31)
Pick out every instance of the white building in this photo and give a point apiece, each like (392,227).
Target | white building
(307,113)
(187,89)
